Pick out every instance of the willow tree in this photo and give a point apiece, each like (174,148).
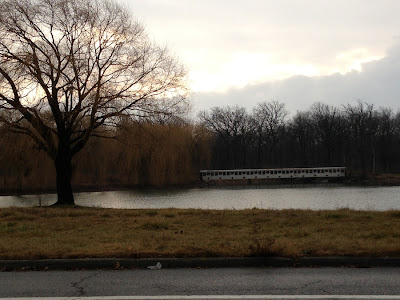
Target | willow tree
(70,69)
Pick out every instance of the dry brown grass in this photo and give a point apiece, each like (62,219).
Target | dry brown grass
(29,233)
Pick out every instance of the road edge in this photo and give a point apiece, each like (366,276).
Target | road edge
(224,262)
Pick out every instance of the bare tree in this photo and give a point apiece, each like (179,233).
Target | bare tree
(270,118)
(386,135)
(233,126)
(329,124)
(70,69)
(302,132)
(362,127)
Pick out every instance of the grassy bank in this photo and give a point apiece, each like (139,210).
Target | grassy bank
(31,233)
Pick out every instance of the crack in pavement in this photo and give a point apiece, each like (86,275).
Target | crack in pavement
(78,285)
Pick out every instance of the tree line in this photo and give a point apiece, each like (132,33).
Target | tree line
(364,139)
(167,152)
(138,154)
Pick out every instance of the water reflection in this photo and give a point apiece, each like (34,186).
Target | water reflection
(28,200)
(270,197)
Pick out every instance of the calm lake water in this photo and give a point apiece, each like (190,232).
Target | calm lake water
(263,197)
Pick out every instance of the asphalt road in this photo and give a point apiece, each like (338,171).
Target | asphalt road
(222,283)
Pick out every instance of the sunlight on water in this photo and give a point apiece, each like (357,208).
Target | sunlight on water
(294,197)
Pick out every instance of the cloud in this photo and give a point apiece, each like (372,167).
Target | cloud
(250,44)
(312,31)
(377,83)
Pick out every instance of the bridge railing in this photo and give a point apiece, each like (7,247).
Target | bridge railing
(239,174)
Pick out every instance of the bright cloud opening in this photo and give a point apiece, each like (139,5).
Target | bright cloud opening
(246,68)
(353,59)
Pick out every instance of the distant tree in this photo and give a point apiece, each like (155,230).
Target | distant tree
(70,70)
(233,127)
(301,132)
(386,138)
(328,125)
(269,118)
(362,129)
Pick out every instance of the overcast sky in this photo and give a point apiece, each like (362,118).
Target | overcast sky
(295,51)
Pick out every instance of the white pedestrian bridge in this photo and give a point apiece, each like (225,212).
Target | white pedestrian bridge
(284,173)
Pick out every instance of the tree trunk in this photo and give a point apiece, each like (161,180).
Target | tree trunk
(373,158)
(259,144)
(63,166)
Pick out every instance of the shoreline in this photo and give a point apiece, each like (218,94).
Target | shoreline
(378,181)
